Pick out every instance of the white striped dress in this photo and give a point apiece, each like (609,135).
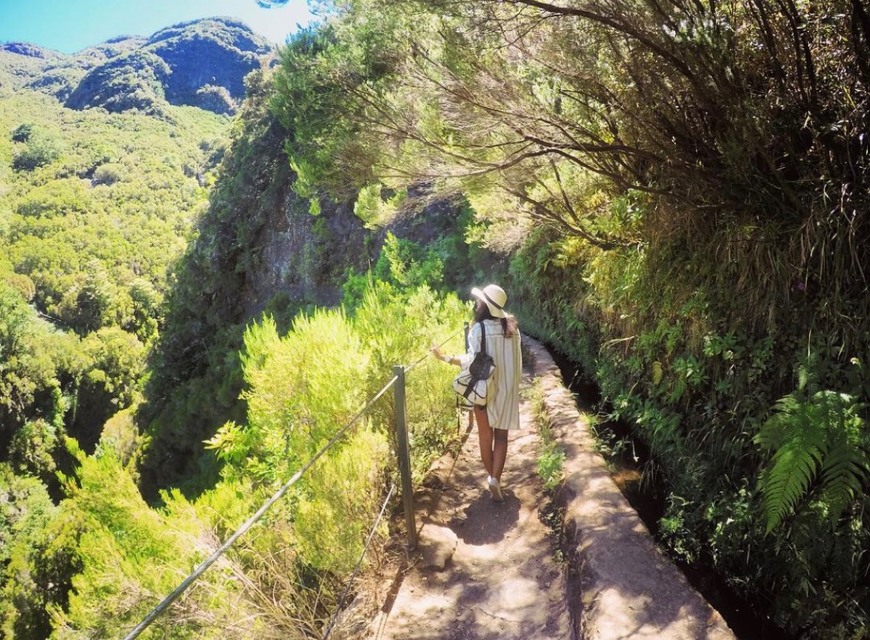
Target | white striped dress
(503,388)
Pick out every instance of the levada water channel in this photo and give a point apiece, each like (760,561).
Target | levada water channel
(633,470)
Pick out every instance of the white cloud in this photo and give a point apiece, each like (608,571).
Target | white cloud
(275,24)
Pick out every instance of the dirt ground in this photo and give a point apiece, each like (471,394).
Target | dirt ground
(489,571)
(484,570)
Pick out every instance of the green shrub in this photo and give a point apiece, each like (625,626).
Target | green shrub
(340,501)
(108,174)
(301,388)
(40,151)
(110,383)
(37,557)
(132,556)
(551,463)
(408,265)
(32,449)
(22,133)
(416,320)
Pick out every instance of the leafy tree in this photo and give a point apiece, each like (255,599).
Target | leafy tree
(320,97)
(146,302)
(110,382)
(35,359)
(37,558)
(22,132)
(93,301)
(32,449)
(39,151)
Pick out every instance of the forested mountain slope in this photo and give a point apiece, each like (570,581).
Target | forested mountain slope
(674,195)
(94,209)
(201,63)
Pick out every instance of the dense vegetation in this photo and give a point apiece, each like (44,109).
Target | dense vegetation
(96,223)
(284,579)
(197,374)
(694,176)
(94,209)
(674,195)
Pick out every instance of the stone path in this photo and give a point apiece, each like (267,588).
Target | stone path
(487,571)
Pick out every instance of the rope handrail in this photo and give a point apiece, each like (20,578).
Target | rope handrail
(250,522)
(359,562)
(411,366)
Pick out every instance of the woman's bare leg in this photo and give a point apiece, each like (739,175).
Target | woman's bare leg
(484,435)
(499,452)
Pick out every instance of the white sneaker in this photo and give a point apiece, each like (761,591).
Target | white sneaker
(495,489)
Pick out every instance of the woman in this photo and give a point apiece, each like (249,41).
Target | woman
(502,411)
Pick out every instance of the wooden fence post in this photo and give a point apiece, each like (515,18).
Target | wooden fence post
(404,456)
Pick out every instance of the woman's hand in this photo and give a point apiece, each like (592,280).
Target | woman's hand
(436,352)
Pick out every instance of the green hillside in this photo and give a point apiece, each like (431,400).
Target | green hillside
(675,196)
(95,209)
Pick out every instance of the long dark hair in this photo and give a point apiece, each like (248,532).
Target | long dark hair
(508,324)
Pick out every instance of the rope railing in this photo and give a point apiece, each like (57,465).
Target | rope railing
(250,522)
(414,364)
(365,550)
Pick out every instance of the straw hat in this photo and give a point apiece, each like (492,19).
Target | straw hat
(494,297)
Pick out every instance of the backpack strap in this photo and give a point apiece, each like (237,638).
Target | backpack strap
(470,388)
(482,336)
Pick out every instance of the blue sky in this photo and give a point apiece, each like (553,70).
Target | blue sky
(72,25)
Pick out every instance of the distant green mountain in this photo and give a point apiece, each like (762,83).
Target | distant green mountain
(201,63)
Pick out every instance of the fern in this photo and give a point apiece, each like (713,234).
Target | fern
(819,439)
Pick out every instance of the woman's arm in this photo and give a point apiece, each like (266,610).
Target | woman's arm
(466,358)
(435,351)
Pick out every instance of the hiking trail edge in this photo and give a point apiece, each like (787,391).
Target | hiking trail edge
(490,571)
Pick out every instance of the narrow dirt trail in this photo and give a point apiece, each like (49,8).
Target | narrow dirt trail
(485,570)
(488,571)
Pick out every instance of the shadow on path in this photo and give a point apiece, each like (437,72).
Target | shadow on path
(497,576)
(501,580)
(484,522)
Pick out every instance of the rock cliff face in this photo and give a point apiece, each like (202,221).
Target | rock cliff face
(208,62)
(132,81)
(201,63)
